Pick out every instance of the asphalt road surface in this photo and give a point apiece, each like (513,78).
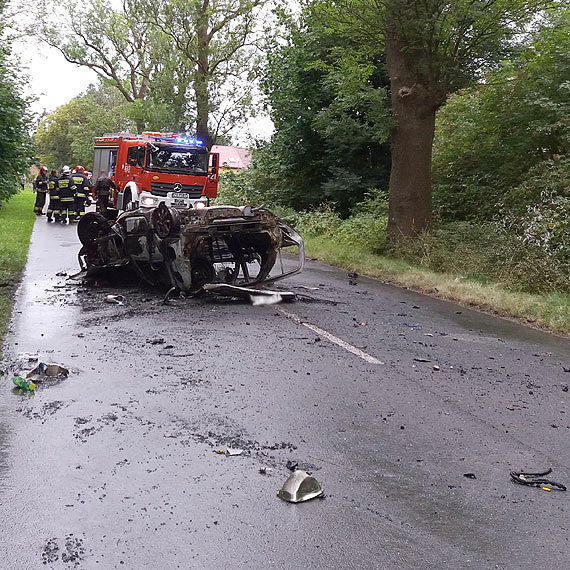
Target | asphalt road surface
(387,396)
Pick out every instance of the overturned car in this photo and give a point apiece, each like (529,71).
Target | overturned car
(188,248)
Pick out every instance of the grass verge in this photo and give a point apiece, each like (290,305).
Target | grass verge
(16,223)
(548,311)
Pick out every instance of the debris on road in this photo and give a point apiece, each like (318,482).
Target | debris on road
(265,470)
(256,296)
(155,340)
(537,480)
(435,367)
(229,451)
(470,475)
(188,248)
(292,465)
(24,385)
(300,487)
(47,370)
(61,274)
(412,325)
(115,299)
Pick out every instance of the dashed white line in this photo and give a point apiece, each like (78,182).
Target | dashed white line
(332,338)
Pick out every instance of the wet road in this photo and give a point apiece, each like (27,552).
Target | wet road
(117,466)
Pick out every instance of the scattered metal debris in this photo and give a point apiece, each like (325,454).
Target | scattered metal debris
(537,480)
(232,452)
(256,296)
(188,248)
(115,299)
(300,487)
(43,370)
(292,465)
(470,475)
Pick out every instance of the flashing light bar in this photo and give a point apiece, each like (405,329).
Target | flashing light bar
(175,137)
(185,140)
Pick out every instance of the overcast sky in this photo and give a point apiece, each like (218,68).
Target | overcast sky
(53,81)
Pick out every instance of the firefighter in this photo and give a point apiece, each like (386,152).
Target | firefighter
(102,191)
(40,188)
(81,187)
(53,208)
(66,197)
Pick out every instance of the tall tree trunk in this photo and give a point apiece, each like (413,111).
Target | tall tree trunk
(414,105)
(201,82)
(410,205)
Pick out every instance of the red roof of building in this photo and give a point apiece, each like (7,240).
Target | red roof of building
(232,156)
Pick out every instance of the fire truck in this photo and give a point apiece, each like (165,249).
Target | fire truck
(153,168)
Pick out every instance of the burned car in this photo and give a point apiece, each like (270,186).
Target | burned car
(189,248)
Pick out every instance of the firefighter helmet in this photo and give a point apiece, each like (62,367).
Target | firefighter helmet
(43,169)
(65,170)
(79,168)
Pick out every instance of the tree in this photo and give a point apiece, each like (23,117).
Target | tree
(432,47)
(65,136)
(328,104)
(15,119)
(121,46)
(501,147)
(215,39)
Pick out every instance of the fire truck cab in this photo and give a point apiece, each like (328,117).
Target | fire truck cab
(154,168)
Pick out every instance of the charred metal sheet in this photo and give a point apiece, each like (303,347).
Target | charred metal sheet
(189,248)
(256,296)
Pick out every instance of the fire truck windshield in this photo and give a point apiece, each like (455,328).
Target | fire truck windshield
(177,160)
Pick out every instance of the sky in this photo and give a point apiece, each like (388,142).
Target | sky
(53,81)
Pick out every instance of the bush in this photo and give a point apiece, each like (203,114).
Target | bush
(488,252)
(365,228)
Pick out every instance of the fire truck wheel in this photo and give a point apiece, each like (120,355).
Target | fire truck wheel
(165,221)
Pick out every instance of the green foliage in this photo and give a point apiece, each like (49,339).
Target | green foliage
(364,229)
(65,136)
(15,151)
(15,119)
(498,145)
(329,107)
(488,252)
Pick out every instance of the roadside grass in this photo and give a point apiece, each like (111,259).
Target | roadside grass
(550,311)
(16,223)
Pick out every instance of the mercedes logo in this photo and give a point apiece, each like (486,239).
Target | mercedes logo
(177,187)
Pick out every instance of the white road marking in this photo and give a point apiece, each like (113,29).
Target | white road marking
(330,337)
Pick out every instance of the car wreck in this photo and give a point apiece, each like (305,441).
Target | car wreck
(188,248)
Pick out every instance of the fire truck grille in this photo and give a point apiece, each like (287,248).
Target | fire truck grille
(162,189)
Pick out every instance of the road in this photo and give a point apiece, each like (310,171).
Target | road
(387,396)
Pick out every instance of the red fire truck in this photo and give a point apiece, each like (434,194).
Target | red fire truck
(157,167)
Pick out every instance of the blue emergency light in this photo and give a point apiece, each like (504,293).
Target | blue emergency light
(184,140)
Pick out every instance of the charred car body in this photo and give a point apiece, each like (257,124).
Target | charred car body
(191,247)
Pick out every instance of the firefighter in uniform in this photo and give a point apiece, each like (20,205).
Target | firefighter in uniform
(81,187)
(40,188)
(53,208)
(102,191)
(66,197)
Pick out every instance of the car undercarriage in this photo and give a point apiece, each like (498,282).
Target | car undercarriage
(188,248)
